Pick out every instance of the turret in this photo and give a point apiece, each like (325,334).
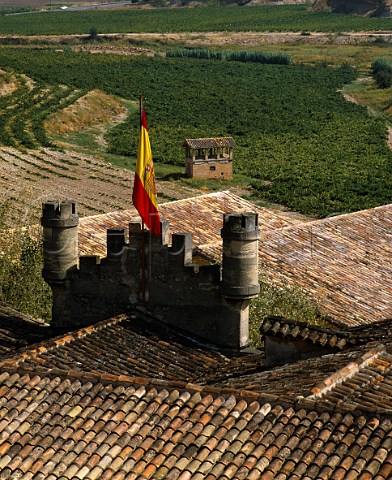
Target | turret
(240,276)
(173,288)
(60,239)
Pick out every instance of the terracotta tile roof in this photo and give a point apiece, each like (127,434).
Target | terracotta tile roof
(136,346)
(326,337)
(71,426)
(343,261)
(364,384)
(209,142)
(334,337)
(18,330)
(201,216)
(357,379)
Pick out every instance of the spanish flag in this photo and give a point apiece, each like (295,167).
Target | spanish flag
(144,195)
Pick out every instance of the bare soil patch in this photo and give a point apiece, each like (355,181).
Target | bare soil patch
(94,108)
(115,50)
(8,83)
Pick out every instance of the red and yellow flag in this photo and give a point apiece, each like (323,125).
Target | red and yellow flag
(144,194)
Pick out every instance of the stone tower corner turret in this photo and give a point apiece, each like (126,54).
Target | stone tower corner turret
(60,239)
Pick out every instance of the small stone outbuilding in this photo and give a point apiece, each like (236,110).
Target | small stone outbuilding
(209,157)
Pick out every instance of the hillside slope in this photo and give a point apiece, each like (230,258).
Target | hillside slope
(371,8)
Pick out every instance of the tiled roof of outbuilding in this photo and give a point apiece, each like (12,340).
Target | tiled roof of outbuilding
(68,425)
(209,142)
(365,384)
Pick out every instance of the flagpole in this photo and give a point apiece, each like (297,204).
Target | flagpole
(143,247)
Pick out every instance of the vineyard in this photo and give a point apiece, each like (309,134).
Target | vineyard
(24,113)
(287,18)
(299,142)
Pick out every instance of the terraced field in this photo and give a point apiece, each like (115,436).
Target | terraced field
(28,179)
(24,112)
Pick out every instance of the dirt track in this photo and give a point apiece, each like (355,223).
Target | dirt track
(230,38)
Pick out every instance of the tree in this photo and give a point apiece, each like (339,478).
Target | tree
(381,70)
(93,34)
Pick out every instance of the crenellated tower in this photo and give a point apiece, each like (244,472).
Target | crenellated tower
(148,273)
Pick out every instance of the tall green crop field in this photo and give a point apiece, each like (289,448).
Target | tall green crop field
(289,18)
(299,142)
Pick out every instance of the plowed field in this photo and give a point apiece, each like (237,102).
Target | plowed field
(28,179)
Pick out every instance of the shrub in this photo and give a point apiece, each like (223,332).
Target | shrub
(21,284)
(381,71)
(291,303)
(93,34)
(241,56)
(383,78)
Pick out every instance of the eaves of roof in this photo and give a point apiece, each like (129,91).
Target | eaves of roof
(133,345)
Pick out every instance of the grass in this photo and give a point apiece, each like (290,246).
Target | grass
(378,101)
(361,56)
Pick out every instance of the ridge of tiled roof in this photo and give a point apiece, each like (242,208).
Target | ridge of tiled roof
(59,425)
(346,372)
(309,403)
(334,337)
(338,217)
(326,337)
(364,384)
(52,342)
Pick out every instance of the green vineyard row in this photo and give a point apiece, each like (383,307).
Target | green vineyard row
(289,18)
(298,141)
(22,114)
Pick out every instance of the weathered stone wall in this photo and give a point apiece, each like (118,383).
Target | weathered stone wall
(173,289)
(210,169)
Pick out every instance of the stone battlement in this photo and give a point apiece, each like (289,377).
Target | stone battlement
(147,272)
